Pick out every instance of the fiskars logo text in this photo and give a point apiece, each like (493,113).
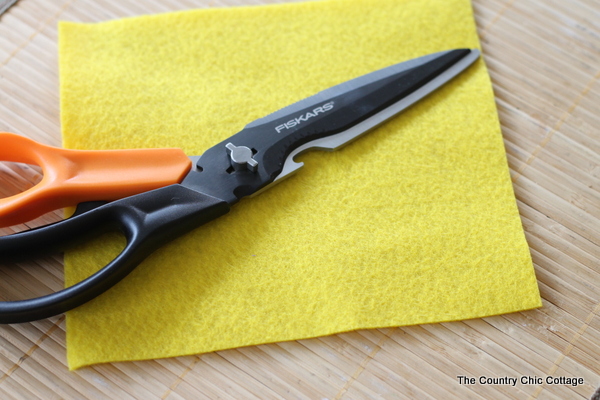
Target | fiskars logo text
(305,117)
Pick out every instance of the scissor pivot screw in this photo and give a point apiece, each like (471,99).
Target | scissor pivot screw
(241,157)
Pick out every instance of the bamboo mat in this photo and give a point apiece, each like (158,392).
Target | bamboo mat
(544,60)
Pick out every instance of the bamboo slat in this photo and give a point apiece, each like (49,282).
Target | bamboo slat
(544,61)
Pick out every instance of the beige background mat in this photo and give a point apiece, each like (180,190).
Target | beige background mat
(544,61)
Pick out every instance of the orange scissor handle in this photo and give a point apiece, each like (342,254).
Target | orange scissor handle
(75,176)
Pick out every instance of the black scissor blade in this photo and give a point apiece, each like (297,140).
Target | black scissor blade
(361,82)
(342,113)
(327,120)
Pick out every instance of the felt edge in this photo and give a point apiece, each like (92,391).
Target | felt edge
(74,365)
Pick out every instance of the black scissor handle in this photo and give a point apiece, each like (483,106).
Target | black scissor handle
(147,220)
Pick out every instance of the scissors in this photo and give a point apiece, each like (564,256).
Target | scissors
(155,195)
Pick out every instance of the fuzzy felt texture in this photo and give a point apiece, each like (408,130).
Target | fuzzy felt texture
(414,223)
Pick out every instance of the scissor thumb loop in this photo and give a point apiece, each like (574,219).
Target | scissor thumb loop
(42,197)
(75,176)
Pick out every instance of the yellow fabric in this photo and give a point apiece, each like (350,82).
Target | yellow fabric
(414,223)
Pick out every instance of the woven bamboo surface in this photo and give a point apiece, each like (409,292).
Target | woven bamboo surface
(544,60)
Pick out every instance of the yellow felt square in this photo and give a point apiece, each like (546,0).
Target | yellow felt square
(414,223)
